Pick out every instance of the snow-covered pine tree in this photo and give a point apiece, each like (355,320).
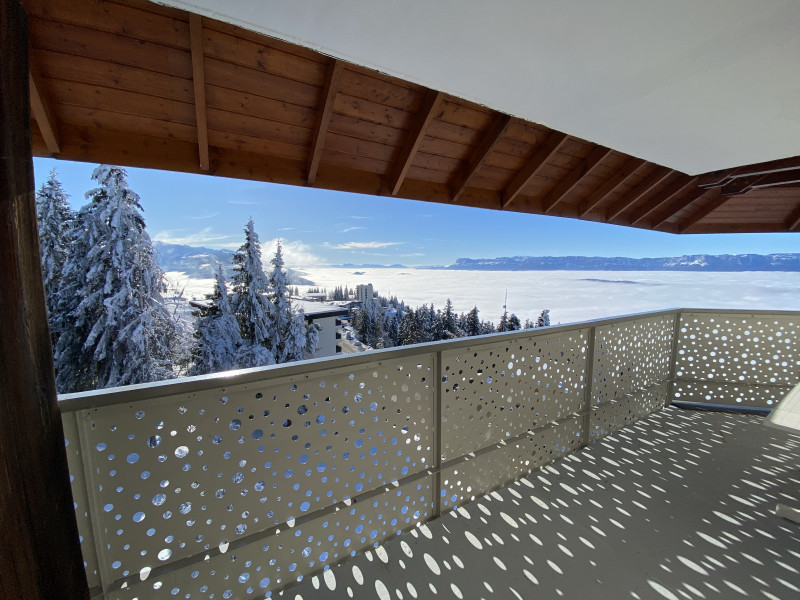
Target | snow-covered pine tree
(529,324)
(544,319)
(450,321)
(55,236)
(289,335)
(217,334)
(409,329)
(111,292)
(250,304)
(514,323)
(473,323)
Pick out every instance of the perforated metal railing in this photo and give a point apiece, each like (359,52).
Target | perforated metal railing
(235,486)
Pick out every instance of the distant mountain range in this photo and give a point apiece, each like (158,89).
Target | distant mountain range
(201,263)
(696,262)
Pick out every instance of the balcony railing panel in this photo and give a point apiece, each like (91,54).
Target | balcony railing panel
(745,359)
(496,391)
(179,476)
(632,355)
(236,485)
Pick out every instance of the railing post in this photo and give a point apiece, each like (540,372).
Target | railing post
(588,390)
(437,435)
(673,358)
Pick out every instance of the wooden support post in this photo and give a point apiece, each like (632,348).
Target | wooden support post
(40,553)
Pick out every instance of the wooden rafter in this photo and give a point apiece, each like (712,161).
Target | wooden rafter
(793,221)
(496,131)
(676,189)
(551,146)
(629,168)
(44,115)
(323,119)
(199,83)
(640,191)
(717,200)
(566,185)
(415,136)
(684,202)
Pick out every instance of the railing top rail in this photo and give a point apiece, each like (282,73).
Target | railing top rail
(188,385)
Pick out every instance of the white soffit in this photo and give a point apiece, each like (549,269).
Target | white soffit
(696,85)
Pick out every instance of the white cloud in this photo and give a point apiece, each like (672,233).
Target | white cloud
(295,254)
(360,217)
(349,229)
(205,237)
(205,216)
(364,245)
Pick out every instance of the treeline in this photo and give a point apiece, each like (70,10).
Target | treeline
(109,321)
(388,322)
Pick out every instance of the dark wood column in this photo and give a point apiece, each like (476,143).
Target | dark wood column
(39,549)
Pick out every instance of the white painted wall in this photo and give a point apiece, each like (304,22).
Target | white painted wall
(327,337)
(696,85)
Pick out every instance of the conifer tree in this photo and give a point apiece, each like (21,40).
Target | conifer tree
(514,323)
(217,334)
(111,294)
(544,319)
(55,235)
(473,323)
(409,329)
(449,320)
(253,309)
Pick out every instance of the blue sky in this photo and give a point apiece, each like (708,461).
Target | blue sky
(319,227)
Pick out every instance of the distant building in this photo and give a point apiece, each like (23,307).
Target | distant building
(316,297)
(365,293)
(323,314)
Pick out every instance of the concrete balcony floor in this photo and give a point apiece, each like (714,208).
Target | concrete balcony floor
(678,506)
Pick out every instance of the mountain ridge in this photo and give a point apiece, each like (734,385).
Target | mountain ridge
(201,263)
(691,262)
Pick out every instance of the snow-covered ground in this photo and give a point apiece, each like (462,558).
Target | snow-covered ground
(570,295)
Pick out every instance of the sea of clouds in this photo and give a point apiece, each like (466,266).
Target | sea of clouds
(569,295)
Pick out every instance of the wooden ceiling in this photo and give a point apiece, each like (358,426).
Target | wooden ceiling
(138,84)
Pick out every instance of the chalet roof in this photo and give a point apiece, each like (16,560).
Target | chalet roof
(140,84)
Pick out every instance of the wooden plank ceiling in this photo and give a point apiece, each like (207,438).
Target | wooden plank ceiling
(138,84)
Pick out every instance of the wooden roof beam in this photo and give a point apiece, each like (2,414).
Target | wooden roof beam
(677,189)
(496,131)
(543,154)
(792,223)
(44,115)
(415,136)
(687,201)
(640,191)
(611,184)
(323,119)
(566,185)
(717,200)
(199,82)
